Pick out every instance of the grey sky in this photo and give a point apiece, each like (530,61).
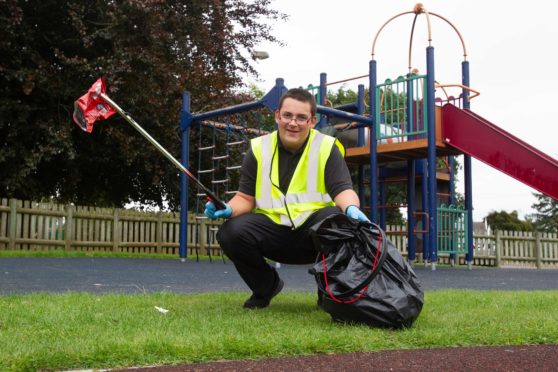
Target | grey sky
(511,48)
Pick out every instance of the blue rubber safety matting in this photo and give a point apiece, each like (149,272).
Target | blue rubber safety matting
(135,275)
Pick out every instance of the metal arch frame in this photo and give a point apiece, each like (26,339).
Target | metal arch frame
(419,9)
(429,187)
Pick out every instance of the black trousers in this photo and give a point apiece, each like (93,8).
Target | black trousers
(250,238)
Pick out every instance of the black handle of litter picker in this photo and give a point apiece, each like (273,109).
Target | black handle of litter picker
(219,204)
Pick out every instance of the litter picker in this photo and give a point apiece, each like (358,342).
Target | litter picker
(96,105)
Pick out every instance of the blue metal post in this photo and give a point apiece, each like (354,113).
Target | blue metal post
(431,173)
(228,110)
(411,245)
(468,172)
(323,95)
(361,120)
(373,144)
(185,120)
(426,219)
(361,109)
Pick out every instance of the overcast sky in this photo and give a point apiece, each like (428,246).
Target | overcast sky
(511,48)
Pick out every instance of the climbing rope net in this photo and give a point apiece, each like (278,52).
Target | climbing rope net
(221,146)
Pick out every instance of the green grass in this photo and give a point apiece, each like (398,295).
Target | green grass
(78,330)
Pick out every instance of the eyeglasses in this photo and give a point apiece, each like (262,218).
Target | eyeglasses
(287,117)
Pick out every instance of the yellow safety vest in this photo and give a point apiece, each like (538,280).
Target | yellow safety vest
(307,191)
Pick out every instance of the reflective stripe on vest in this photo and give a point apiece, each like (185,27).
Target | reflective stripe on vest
(306,192)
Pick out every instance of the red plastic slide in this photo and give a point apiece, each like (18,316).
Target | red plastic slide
(475,136)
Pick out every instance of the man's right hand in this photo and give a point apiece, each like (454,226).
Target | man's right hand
(212,212)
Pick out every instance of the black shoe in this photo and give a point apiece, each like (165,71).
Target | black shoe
(257,302)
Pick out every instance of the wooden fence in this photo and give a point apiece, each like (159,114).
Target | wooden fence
(26,225)
(503,249)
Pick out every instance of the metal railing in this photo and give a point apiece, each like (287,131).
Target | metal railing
(452,230)
(402,113)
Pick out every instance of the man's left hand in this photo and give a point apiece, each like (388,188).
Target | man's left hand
(353,212)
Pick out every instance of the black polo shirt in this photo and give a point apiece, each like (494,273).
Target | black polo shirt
(337,176)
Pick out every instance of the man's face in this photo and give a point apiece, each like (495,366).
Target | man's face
(294,120)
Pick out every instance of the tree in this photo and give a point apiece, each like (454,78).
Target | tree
(342,96)
(508,221)
(149,51)
(546,217)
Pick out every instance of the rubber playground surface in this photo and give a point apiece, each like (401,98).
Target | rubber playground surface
(133,275)
(123,275)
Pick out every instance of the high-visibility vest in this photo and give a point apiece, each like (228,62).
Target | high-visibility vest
(307,190)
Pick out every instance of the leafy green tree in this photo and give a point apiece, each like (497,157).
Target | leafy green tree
(508,221)
(546,217)
(149,52)
(342,96)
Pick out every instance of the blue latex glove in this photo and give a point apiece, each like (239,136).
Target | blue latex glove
(212,212)
(353,212)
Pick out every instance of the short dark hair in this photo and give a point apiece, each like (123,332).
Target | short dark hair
(300,95)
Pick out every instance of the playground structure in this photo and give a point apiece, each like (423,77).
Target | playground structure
(407,132)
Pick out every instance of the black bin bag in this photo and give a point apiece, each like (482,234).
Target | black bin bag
(361,276)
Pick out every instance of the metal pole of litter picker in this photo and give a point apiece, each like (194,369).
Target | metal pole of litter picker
(218,203)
